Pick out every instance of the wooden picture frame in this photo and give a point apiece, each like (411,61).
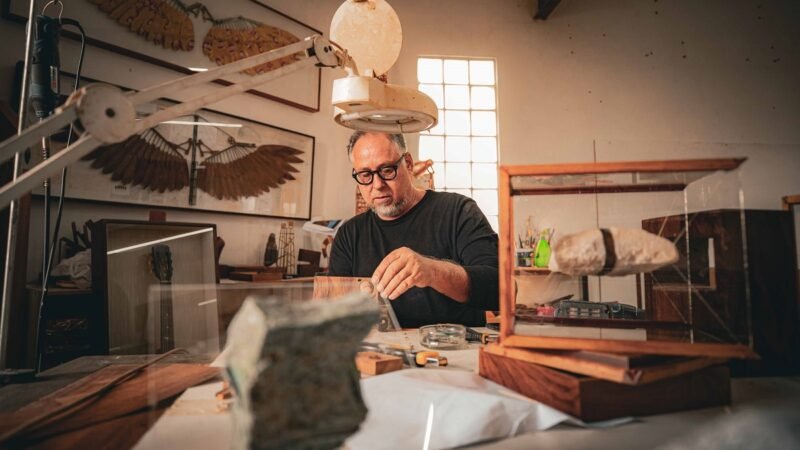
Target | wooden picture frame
(299,90)
(290,200)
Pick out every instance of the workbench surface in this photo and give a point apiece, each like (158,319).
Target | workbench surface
(762,409)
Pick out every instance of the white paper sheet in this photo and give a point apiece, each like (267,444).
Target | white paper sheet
(466,409)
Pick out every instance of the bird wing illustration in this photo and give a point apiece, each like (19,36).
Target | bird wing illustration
(232,39)
(162,22)
(246,170)
(147,160)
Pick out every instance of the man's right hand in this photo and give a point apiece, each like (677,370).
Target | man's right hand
(401,270)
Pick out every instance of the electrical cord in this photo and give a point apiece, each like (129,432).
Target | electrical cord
(53,245)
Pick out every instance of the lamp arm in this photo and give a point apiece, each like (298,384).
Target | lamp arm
(189,106)
(47,169)
(33,134)
(105,115)
(314,46)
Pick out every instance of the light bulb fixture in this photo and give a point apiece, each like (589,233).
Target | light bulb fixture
(366,103)
(370,31)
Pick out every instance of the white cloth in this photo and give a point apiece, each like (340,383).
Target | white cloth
(78,268)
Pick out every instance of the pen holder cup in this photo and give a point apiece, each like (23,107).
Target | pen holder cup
(525,257)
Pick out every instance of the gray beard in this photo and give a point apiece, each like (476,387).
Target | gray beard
(394,210)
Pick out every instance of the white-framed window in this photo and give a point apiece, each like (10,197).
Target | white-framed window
(463,145)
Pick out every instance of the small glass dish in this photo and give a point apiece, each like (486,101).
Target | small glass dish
(443,336)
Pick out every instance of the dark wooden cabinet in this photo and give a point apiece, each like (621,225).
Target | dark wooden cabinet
(730,254)
(72,325)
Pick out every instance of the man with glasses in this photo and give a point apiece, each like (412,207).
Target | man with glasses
(433,254)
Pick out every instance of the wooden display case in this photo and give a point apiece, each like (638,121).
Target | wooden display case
(618,194)
(769,278)
(158,285)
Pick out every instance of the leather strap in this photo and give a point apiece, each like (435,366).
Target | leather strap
(611,255)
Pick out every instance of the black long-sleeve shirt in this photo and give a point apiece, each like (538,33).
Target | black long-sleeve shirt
(443,225)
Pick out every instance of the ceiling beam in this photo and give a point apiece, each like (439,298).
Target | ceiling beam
(544,8)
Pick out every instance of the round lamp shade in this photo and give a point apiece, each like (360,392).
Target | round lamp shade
(370,31)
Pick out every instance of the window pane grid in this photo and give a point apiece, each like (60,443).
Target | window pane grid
(463,145)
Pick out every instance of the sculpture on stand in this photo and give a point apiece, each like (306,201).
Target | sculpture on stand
(287,259)
(271,251)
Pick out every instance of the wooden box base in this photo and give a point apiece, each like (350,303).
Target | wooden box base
(256,276)
(625,369)
(590,399)
(373,363)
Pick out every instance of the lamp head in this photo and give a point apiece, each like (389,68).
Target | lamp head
(370,32)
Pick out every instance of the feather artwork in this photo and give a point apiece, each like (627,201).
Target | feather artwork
(233,39)
(162,22)
(242,169)
(247,170)
(147,160)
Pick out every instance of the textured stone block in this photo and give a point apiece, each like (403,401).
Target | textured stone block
(292,368)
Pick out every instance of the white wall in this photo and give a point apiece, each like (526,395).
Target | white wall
(610,74)
(615,70)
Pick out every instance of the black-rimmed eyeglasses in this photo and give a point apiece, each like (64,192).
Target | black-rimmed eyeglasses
(387,173)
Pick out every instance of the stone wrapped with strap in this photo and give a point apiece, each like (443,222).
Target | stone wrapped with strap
(611,251)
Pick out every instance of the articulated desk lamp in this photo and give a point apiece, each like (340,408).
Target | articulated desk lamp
(366,41)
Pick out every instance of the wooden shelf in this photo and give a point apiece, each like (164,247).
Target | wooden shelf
(532,271)
(612,177)
(600,322)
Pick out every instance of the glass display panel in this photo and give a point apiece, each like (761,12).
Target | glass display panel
(697,213)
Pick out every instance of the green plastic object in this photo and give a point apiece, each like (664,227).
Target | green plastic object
(542,256)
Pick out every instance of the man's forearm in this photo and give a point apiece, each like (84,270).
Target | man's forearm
(450,279)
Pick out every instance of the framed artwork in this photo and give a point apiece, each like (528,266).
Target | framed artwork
(192,37)
(208,161)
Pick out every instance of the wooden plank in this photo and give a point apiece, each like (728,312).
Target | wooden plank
(789,201)
(591,399)
(684,165)
(120,433)
(256,276)
(299,280)
(633,347)
(564,362)
(16,396)
(616,368)
(90,383)
(615,189)
(627,361)
(145,390)
(331,287)
(374,363)
(506,254)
